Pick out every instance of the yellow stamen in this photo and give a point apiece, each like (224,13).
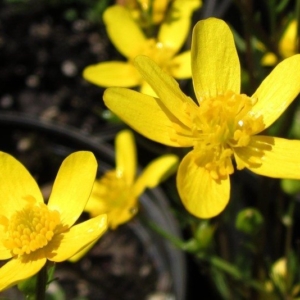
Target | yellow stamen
(117,193)
(30,229)
(219,125)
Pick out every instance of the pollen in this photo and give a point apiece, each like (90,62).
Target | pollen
(31,228)
(220,125)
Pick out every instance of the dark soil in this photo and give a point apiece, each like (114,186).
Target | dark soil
(43,54)
(117,267)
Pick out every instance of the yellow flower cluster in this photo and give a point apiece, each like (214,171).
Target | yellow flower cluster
(223,130)
(32,232)
(130,40)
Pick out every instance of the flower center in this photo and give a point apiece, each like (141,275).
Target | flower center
(118,195)
(30,229)
(158,52)
(219,125)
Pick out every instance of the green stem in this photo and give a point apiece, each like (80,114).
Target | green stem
(257,28)
(288,241)
(41,283)
(213,260)
(234,272)
(289,227)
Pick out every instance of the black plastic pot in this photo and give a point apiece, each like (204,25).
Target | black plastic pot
(41,146)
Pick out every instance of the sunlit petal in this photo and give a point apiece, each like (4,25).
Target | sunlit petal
(278,90)
(147,116)
(215,67)
(77,238)
(280,157)
(180,66)
(155,172)
(16,270)
(123,31)
(126,156)
(147,89)
(165,86)
(73,185)
(201,195)
(114,73)
(4,252)
(16,185)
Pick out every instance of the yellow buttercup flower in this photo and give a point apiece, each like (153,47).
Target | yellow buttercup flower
(221,126)
(131,41)
(32,232)
(286,46)
(116,193)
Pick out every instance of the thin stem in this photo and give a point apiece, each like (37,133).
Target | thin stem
(289,227)
(234,272)
(257,28)
(41,283)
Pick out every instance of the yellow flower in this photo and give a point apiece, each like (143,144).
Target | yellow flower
(130,41)
(286,46)
(32,232)
(221,126)
(116,193)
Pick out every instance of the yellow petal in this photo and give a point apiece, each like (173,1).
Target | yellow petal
(73,185)
(287,44)
(180,66)
(96,205)
(123,214)
(174,30)
(278,90)
(82,252)
(16,185)
(165,87)
(280,157)
(126,156)
(145,114)
(158,170)
(114,73)
(77,238)
(215,63)
(200,194)
(147,89)
(123,31)
(17,270)
(4,252)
